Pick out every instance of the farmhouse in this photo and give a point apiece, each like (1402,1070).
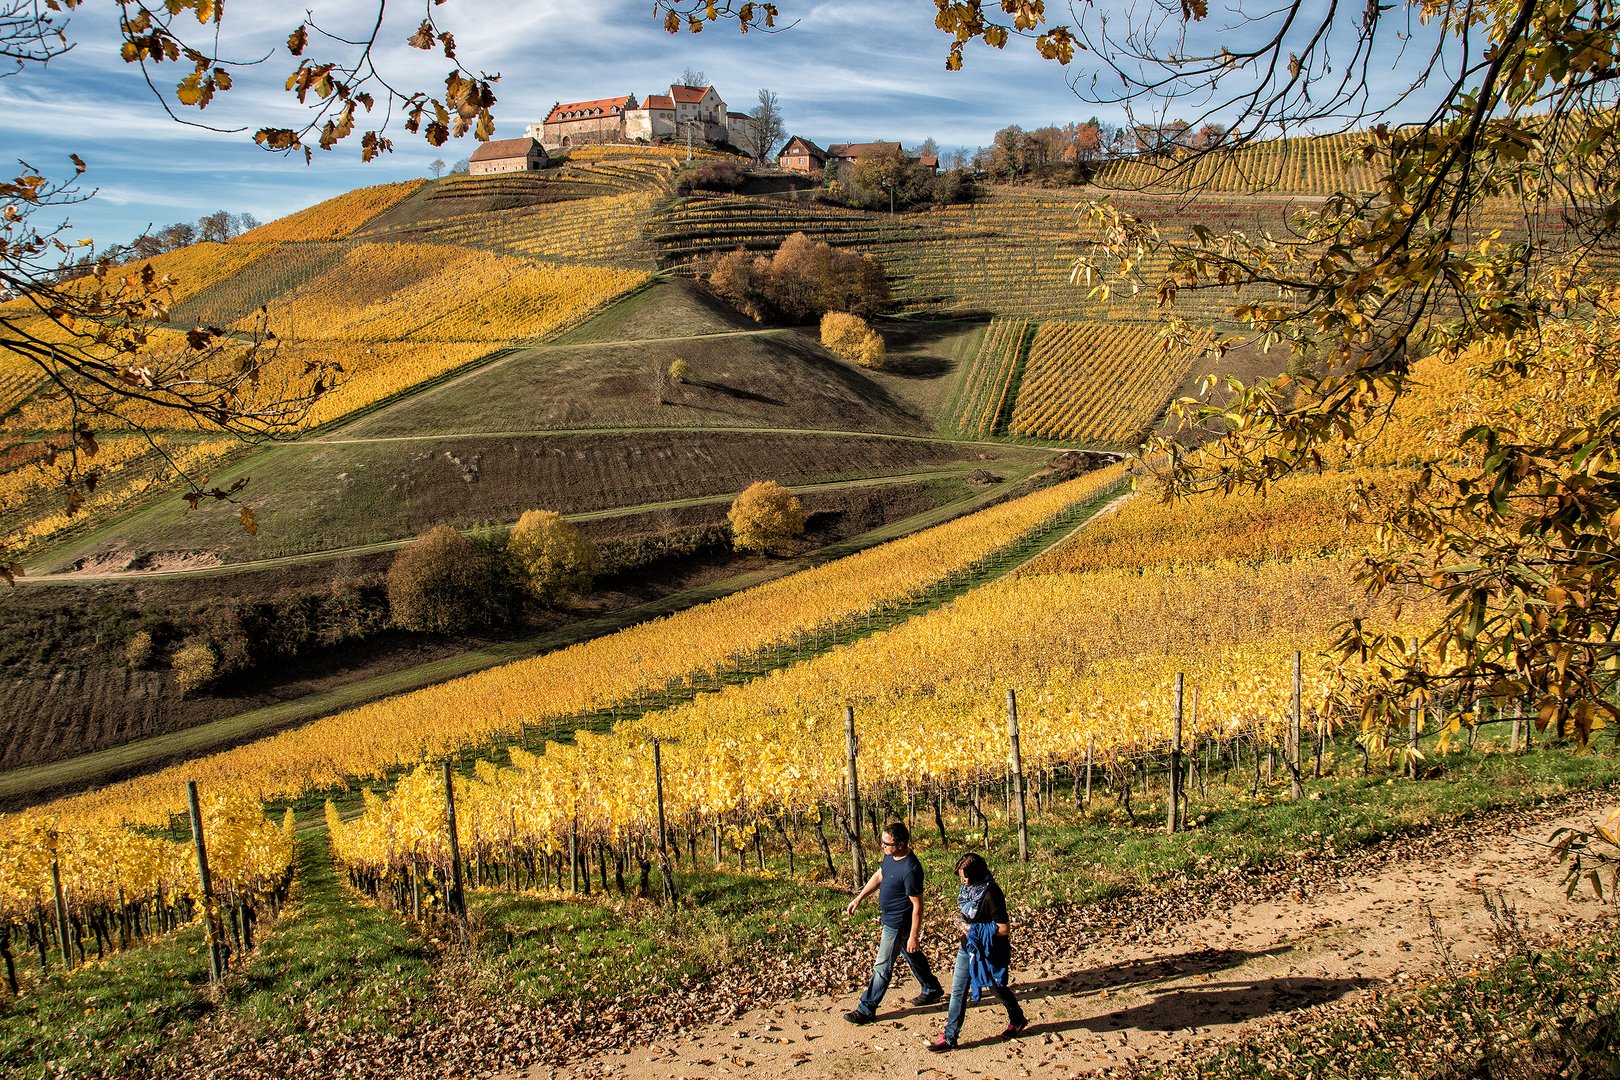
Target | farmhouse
(800,155)
(507,156)
(695,112)
(842,156)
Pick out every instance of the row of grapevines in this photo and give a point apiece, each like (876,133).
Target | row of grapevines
(121,887)
(440,292)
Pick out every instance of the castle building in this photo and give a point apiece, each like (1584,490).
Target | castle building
(695,112)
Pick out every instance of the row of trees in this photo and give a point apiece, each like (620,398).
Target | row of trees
(217,227)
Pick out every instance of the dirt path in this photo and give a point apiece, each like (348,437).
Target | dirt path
(1156,992)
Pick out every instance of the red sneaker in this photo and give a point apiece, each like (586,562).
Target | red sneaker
(1012,1031)
(940,1046)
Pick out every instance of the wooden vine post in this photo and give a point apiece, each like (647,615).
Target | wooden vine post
(1173,812)
(61,919)
(1518,718)
(1412,738)
(1018,776)
(663,830)
(458,898)
(1091,747)
(216,966)
(857,856)
(1294,787)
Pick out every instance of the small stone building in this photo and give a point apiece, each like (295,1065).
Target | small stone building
(508,156)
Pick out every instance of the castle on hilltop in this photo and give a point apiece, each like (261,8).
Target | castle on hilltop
(686,112)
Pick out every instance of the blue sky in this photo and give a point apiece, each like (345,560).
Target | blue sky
(847,70)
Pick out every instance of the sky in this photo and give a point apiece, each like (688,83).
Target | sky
(844,71)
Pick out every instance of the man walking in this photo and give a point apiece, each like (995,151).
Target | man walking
(899,885)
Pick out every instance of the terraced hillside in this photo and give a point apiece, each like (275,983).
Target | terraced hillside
(439,280)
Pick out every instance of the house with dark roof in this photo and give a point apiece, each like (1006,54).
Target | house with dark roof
(508,156)
(842,156)
(800,155)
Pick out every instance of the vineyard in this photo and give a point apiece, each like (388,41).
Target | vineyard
(1097,382)
(683,650)
(333,219)
(1312,165)
(71,893)
(988,386)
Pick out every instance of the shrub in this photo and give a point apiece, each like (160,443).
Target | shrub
(680,370)
(500,581)
(434,584)
(765,517)
(554,559)
(711,176)
(138,650)
(195,664)
(852,338)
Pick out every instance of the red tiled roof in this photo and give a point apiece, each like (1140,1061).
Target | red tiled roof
(503,148)
(688,95)
(658,101)
(928,161)
(584,110)
(851,150)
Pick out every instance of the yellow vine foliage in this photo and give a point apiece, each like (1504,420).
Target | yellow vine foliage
(1098,382)
(1300,517)
(439,292)
(1092,656)
(107,866)
(333,219)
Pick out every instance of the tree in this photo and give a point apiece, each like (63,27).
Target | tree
(553,557)
(437,167)
(691,76)
(852,338)
(1008,153)
(434,584)
(769,129)
(195,665)
(765,517)
(217,227)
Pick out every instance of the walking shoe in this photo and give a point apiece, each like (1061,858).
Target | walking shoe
(855,1016)
(940,1046)
(1012,1031)
(929,998)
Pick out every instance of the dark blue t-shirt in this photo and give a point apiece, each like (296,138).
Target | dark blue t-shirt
(902,879)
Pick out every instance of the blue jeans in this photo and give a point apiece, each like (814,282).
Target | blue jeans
(883,969)
(959,999)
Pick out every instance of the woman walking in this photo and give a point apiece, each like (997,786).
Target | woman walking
(985,951)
